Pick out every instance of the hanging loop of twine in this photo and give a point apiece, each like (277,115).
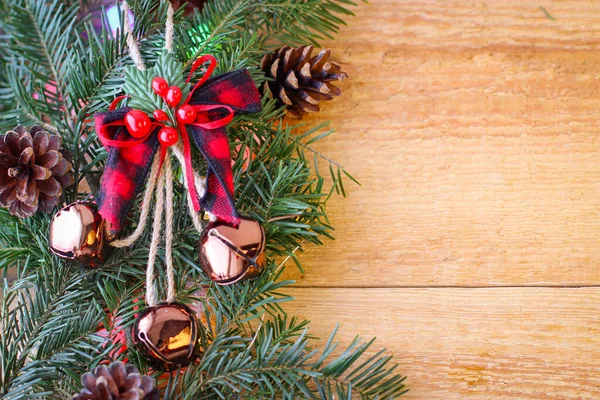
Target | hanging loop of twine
(162,186)
(134,50)
(154,242)
(128,241)
(169,230)
(135,55)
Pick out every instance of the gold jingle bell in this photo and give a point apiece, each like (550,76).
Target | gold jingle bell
(77,233)
(166,334)
(229,254)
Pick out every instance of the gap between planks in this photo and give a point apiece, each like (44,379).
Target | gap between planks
(451,287)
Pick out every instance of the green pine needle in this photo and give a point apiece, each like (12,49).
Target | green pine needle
(56,67)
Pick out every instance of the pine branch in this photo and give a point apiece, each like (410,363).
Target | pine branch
(278,361)
(96,78)
(251,348)
(298,23)
(19,240)
(27,109)
(96,68)
(219,18)
(39,34)
(335,169)
(46,334)
(370,379)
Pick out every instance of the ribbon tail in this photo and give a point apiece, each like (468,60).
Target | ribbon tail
(124,174)
(218,198)
(189,170)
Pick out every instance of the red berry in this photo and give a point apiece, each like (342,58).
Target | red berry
(138,124)
(160,86)
(160,115)
(173,96)
(168,136)
(186,114)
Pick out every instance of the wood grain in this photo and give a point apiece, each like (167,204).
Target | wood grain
(473,128)
(471,248)
(495,343)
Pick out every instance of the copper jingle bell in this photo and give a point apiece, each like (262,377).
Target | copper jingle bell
(166,334)
(229,254)
(77,233)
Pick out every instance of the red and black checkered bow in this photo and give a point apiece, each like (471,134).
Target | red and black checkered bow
(216,101)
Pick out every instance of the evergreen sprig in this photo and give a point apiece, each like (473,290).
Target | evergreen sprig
(58,69)
(138,84)
(39,38)
(49,333)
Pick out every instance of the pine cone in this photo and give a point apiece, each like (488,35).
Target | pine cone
(300,81)
(117,382)
(33,171)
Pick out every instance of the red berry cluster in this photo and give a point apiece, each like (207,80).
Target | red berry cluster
(138,123)
(172,95)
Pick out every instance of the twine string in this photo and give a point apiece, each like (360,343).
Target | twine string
(156,227)
(159,184)
(128,241)
(169,230)
(177,149)
(162,186)
(169,28)
(132,46)
(198,181)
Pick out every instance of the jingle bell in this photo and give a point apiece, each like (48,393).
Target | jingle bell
(229,254)
(77,233)
(166,334)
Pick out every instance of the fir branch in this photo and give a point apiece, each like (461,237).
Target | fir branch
(299,23)
(220,18)
(28,110)
(96,68)
(279,362)
(95,78)
(370,379)
(45,333)
(39,35)
(251,348)
(18,243)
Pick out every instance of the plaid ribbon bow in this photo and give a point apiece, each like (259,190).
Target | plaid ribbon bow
(216,101)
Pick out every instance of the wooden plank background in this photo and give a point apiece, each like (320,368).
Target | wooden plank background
(470,250)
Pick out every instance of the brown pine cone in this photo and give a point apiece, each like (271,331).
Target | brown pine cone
(33,171)
(117,382)
(300,81)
